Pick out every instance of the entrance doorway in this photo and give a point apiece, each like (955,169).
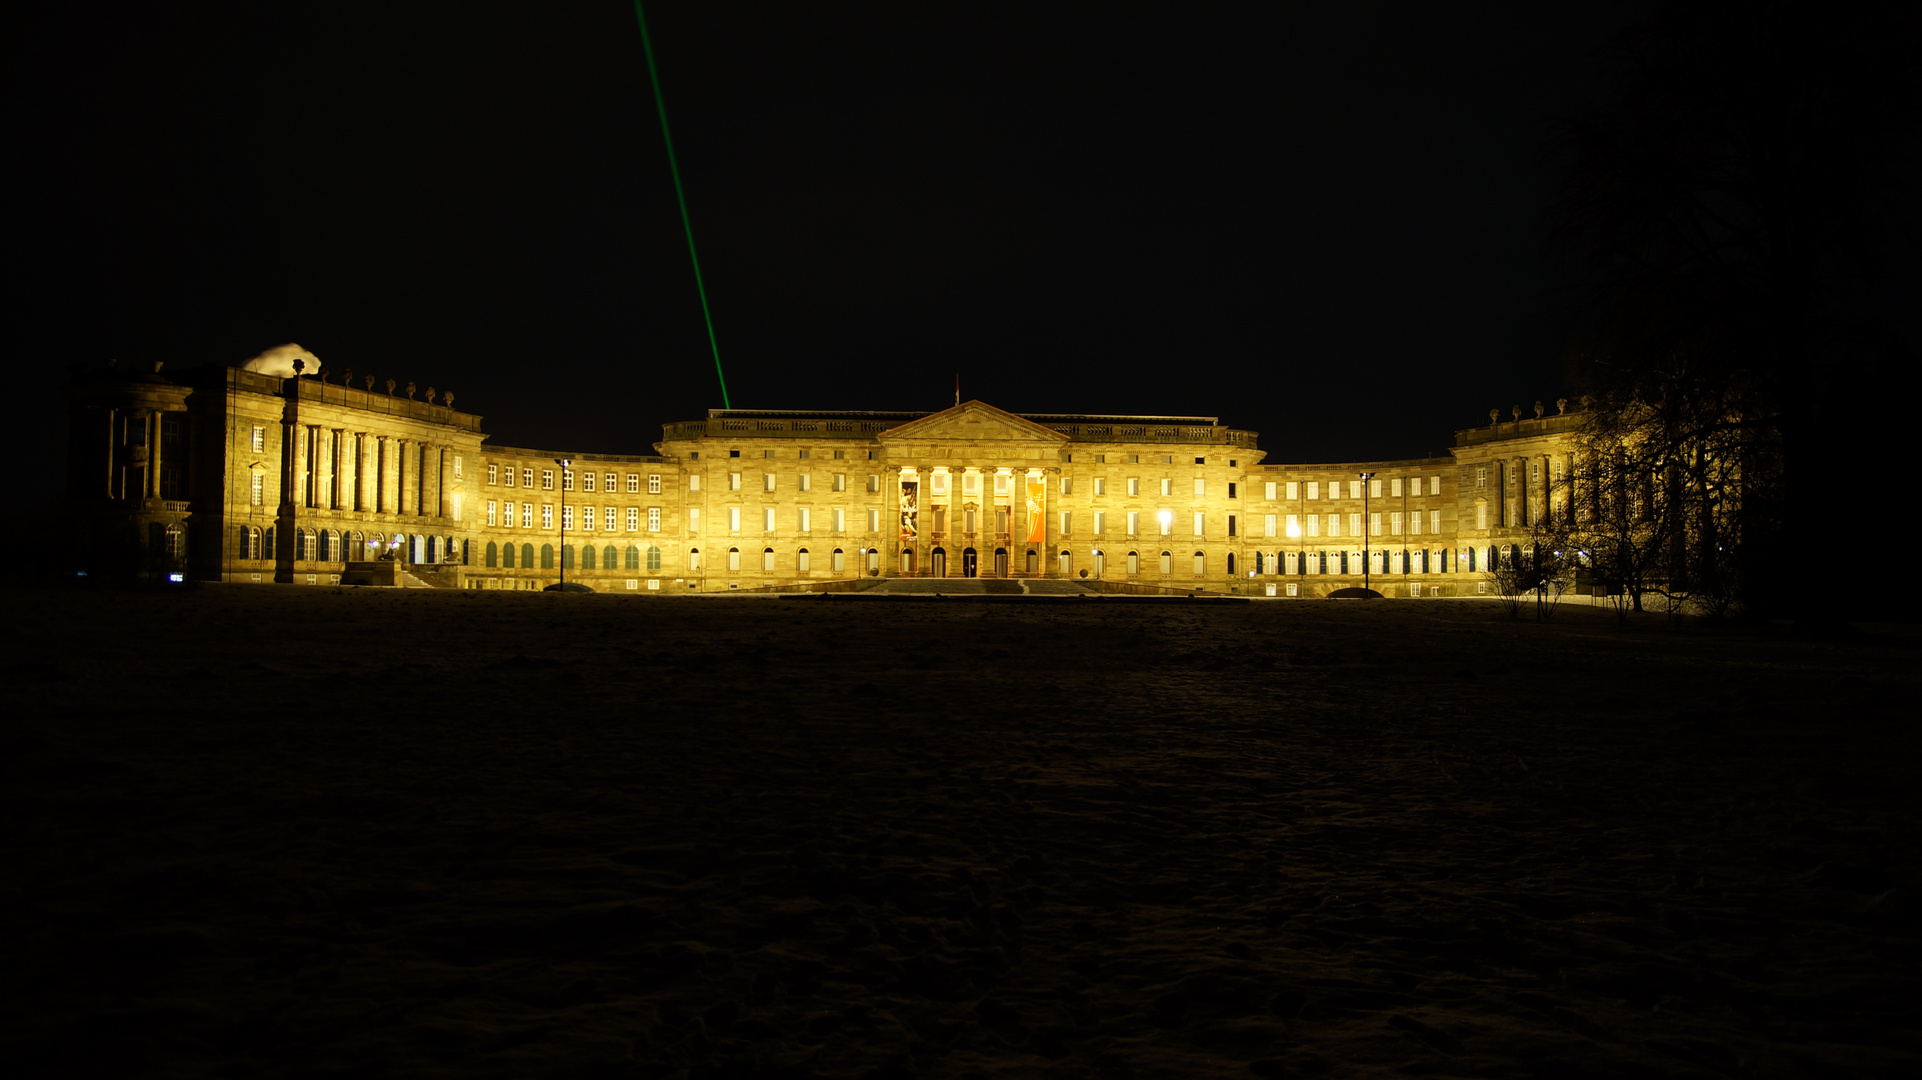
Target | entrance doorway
(939,557)
(969,564)
(1000,562)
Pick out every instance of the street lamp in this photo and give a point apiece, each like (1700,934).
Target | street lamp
(560,526)
(1366,533)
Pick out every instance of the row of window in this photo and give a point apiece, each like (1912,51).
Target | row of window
(1331,524)
(332,545)
(1392,487)
(610,483)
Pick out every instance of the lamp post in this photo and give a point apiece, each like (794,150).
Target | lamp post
(1367,533)
(560,527)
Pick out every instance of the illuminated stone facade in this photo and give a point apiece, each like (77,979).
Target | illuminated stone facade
(228,474)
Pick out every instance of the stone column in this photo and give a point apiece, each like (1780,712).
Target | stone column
(151,482)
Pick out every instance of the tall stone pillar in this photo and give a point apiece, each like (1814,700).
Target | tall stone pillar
(151,482)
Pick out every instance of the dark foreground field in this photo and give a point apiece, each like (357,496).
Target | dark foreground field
(293,832)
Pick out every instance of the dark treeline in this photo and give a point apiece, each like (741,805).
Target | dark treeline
(1739,222)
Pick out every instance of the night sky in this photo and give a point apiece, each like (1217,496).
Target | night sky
(1320,222)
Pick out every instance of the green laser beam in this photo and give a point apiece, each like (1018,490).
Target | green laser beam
(660,104)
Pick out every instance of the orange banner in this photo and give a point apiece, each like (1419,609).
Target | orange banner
(1037,495)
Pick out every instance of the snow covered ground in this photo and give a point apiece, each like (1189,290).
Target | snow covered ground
(298,832)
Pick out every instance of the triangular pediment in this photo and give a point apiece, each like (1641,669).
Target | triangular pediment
(973,420)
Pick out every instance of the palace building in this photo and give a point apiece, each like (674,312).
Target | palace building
(268,475)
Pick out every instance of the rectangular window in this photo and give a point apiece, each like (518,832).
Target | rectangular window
(1167,486)
(1100,522)
(874,521)
(734,481)
(567,518)
(1294,525)
(527,478)
(1268,524)
(1314,524)
(840,520)
(1134,485)
(1414,523)
(567,479)
(1001,520)
(1167,521)
(1314,489)
(767,519)
(838,454)
(1268,489)
(733,519)
(802,453)
(1394,523)
(1354,524)
(1354,489)
(547,516)
(874,483)
(1201,487)
(1374,489)
(1394,488)
(1481,478)
(490,511)
(769,454)
(587,481)
(806,482)
(1293,489)
(1001,483)
(1231,524)
(493,474)
(1434,485)
(804,520)
(257,489)
(1334,524)
(260,439)
(607,483)
(1134,523)
(634,483)
(970,483)
(693,519)
(547,479)
(612,520)
(694,482)
(1231,489)
(1198,520)
(767,481)
(653,519)
(940,483)
(527,515)
(507,477)
(1064,523)
(1434,521)
(840,481)
(587,518)
(1100,485)
(1067,485)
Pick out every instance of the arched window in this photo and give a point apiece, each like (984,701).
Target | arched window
(1167,564)
(567,556)
(176,543)
(907,560)
(1231,563)
(733,558)
(838,562)
(249,543)
(693,560)
(653,557)
(433,549)
(547,556)
(527,556)
(267,549)
(1201,564)
(801,561)
(324,552)
(588,557)
(1100,562)
(356,545)
(1034,561)
(874,559)
(767,560)
(1134,562)
(494,553)
(1064,563)
(307,544)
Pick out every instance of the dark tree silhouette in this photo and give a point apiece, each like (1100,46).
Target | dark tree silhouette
(1734,218)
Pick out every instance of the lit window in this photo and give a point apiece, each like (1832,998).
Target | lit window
(587,518)
(733,519)
(1354,489)
(874,483)
(1067,485)
(634,483)
(567,517)
(527,478)
(587,482)
(1314,489)
(1374,489)
(767,560)
(693,519)
(1294,525)
(1167,520)
(767,519)
(840,520)
(693,560)
(547,515)
(490,511)
(734,481)
(805,482)
(1201,487)
(767,481)
(733,558)
(694,482)
(1134,485)
(1434,485)
(607,483)
(547,479)
(874,521)
(1134,523)
(527,515)
(1064,523)
(1100,522)
(1100,485)
(257,488)
(260,439)
(567,479)
(840,480)
(493,474)
(1394,487)
(803,518)
(1394,523)
(610,521)
(1269,524)
(653,519)
(1001,480)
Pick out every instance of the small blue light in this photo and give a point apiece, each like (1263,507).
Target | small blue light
(176,577)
